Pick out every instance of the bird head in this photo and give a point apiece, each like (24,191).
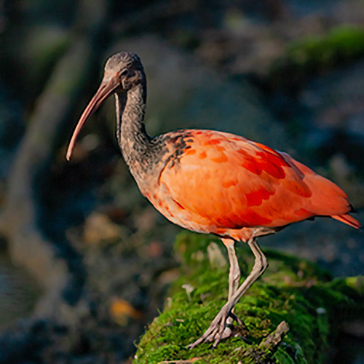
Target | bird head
(123,71)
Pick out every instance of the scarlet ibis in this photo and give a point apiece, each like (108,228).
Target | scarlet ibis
(213,182)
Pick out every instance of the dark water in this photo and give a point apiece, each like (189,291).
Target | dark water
(348,350)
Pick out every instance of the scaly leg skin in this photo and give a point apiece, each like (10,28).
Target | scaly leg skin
(234,273)
(216,329)
(234,279)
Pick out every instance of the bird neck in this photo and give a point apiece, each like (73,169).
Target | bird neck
(131,134)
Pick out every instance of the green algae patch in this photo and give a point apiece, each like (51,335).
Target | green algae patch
(293,295)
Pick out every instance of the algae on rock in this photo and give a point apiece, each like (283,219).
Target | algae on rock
(291,290)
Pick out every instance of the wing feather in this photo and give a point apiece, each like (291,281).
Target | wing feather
(236,183)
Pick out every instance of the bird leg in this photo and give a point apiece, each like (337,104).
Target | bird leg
(234,273)
(216,329)
(234,279)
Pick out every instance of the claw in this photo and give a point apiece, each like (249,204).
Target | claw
(215,333)
(236,318)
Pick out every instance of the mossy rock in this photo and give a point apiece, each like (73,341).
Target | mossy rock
(314,54)
(291,290)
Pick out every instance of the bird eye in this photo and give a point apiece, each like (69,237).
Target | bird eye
(124,73)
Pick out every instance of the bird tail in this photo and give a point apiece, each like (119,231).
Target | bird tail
(347,219)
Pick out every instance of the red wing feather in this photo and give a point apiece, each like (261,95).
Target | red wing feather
(231,182)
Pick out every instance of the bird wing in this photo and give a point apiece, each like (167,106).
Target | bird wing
(233,182)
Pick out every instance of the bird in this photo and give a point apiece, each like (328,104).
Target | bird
(213,182)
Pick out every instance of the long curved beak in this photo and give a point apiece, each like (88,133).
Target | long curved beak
(106,88)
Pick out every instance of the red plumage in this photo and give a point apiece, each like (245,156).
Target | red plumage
(213,182)
(227,185)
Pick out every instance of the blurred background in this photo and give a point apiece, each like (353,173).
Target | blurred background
(85,260)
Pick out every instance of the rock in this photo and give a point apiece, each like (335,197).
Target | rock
(335,100)
(310,302)
(100,229)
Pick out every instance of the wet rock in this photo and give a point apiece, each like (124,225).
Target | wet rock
(343,172)
(334,117)
(336,100)
(334,246)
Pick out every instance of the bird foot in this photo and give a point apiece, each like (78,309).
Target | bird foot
(218,329)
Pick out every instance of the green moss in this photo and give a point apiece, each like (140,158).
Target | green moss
(292,290)
(313,54)
(344,42)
